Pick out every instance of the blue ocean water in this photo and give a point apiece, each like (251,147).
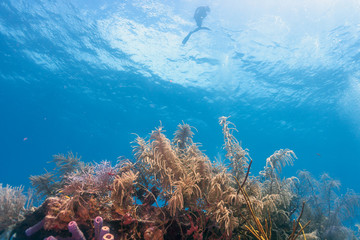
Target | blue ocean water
(85,76)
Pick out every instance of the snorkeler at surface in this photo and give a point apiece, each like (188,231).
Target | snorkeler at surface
(200,14)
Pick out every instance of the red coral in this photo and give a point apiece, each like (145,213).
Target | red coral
(197,234)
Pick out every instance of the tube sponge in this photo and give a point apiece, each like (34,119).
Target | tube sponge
(34,229)
(98,223)
(104,231)
(108,236)
(75,231)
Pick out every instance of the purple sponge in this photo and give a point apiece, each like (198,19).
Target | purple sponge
(75,231)
(98,224)
(108,236)
(104,230)
(34,229)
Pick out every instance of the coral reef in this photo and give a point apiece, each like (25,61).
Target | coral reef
(173,191)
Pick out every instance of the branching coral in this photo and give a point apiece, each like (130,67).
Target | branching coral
(188,179)
(173,191)
(178,168)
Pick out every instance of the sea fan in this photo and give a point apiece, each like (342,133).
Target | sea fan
(326,209)
(328,188)
(348,206)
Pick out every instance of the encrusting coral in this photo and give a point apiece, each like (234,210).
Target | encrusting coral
(173,191)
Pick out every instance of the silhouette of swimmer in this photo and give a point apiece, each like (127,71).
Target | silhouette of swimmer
(200,14)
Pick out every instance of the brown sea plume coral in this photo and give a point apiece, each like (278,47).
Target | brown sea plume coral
(123,188)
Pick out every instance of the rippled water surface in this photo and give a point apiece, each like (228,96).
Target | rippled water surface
(85,75)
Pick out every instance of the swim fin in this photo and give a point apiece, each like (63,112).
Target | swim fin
(186,38)
(190,33)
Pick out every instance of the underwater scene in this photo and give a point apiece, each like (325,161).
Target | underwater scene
(179,119)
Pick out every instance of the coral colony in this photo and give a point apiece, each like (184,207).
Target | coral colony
(173,191)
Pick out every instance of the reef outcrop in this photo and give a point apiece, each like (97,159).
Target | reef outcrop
(173,191)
